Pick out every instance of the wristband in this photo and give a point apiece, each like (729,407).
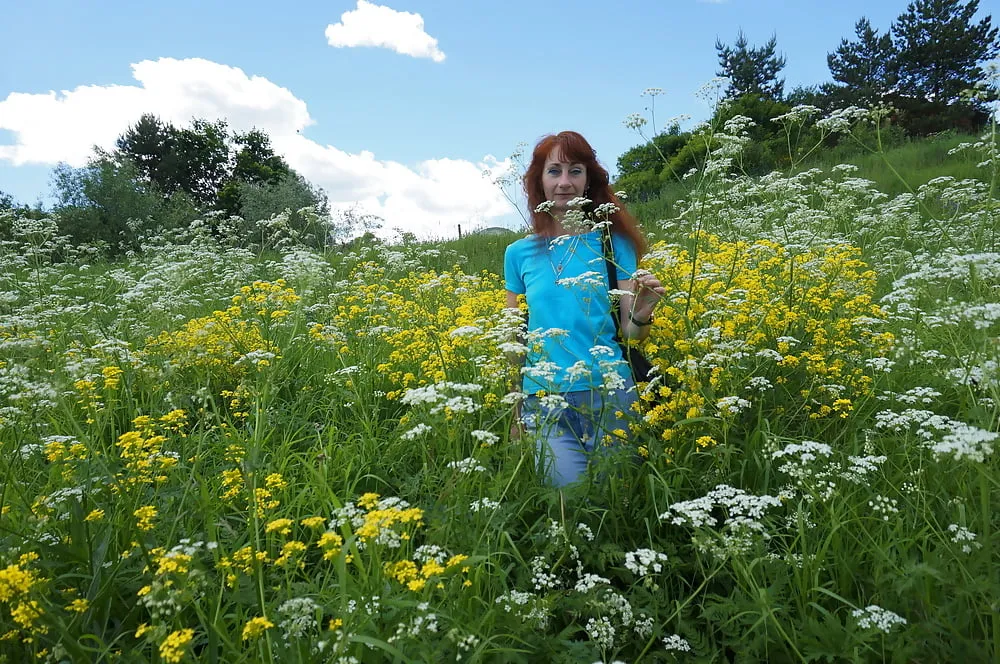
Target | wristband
(640,323)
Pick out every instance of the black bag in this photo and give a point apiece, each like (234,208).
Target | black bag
(641,367)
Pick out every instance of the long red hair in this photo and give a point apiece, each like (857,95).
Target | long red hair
(574,148)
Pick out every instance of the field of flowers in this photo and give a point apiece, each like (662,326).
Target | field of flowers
(215,454)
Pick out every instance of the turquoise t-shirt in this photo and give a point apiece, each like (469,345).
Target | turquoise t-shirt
(565,283)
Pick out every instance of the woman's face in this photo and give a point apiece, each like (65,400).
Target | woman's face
(562,181)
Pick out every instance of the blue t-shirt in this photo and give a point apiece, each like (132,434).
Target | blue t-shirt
(566,287)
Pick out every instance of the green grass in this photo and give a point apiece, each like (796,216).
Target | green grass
(860,464)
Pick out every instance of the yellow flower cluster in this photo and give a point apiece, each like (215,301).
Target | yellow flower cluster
(175,645)
(416,577)
(17,582)
(142,449)
(216,343)
(255,627)
(268,301)
(291,554)
(786,330)
(144,517)
(380,521)
(447,316)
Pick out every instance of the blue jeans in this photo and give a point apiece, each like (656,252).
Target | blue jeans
(568,436)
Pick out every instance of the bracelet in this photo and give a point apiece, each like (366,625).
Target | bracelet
(640,323)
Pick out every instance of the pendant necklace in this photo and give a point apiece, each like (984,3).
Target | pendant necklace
(567,256)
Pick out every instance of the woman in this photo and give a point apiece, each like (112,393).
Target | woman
(580,389)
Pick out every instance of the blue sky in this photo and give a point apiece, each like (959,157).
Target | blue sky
(394,106)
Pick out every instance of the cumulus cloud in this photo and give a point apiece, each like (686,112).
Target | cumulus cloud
(384,27)
(428,199)
(65,126)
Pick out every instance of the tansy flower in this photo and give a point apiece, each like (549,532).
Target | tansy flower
(175,645)
(313,522)
(255,627)
(144,517)
(79,605)
(282,526)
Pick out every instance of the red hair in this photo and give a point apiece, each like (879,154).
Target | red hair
(574,148)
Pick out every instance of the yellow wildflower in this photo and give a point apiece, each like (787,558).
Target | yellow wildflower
(255,627)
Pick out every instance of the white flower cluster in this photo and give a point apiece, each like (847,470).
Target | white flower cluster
(800,456)
(634,121)
(732,405)
(445,395)
(526,606)
(643,562)
(643,626)
(423,622)
(28,450)
(467,466)
(923,395)
(415,432)
(541,577)
(601,632)
(965,537)
(740,506)
(485,438)
(430,552)
(618,606)
(256,358)
(943,435)
(861,467)
(588,582)
(298,617)
(370,606)
(675,642)
(874,616)
(883,506)
(466,331)
(483,504)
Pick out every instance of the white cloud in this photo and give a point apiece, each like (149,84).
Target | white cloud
(428,199)
(55,127)
(384,27)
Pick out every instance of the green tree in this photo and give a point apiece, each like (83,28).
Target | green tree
(651,155)
(105,202)
(199,161)
(255,165)
(751,70)
(864,68)
(643,171)
(148,144)
(940,48)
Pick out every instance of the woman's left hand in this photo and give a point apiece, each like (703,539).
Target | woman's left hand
(648,291)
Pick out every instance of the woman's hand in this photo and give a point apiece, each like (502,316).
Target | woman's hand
(648,291)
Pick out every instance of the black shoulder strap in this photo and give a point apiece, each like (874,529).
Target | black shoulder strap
(609,256)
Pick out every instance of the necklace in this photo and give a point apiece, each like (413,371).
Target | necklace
(567,255)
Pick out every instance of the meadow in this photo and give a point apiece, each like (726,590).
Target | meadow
(214,452)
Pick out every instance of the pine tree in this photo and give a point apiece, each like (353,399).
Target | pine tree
(864,68)
(751,70)
(940,48)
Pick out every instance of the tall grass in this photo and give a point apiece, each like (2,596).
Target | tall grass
(216,454)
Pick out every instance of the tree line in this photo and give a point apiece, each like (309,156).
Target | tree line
(160,177)
(922,68)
